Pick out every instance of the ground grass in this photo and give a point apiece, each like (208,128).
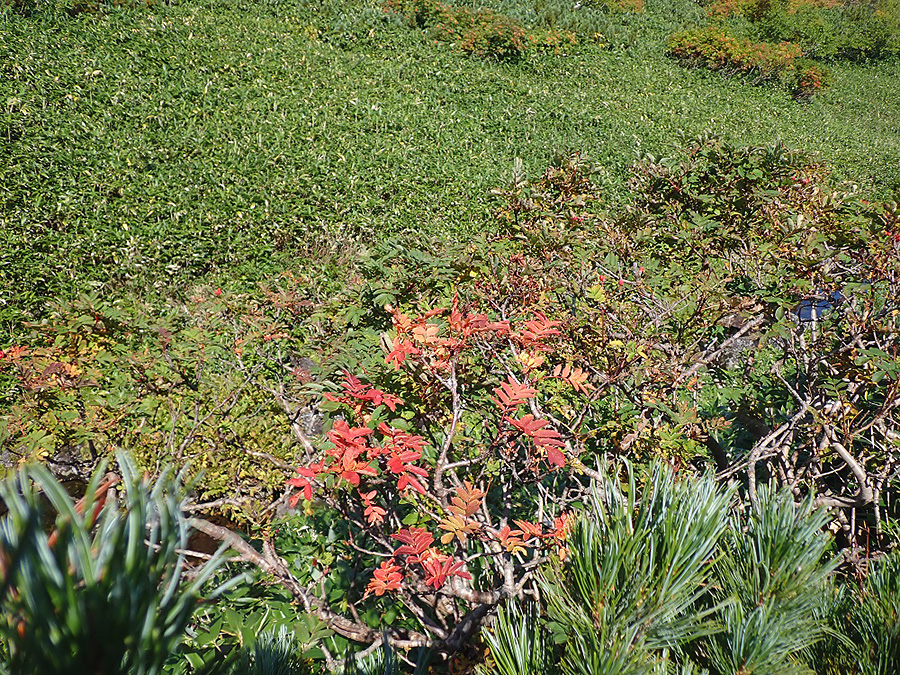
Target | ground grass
(148,148)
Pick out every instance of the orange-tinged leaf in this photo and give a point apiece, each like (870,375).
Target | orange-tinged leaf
(467,500)
(529,530)
(530,360)
(439,569)
(457,526)
(573,376)
(510,395)
(386,578)
(426,333)
(511,540)
(415,540)
(539,329)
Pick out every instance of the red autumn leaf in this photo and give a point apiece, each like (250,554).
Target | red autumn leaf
(305,481)
(401,458)
(400,462)
(349,444)
(537,431)
(415,540)
(407,481)
(574,376)
(562,526)
(401,439)
(357,395)
(510,395)
(536,331)
(439,568)
(305,490)
(374,514)
(351,470)
(555,456)
(545,439)
(529,530)
(347,439)
(386,578)
(400,350)
(379,397)
(467,325)
(511,540)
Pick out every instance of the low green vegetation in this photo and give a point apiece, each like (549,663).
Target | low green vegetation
(147,148)
(454,316)
(824,29)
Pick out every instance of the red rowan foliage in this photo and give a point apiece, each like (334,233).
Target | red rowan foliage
(510,395)
(396,471)
(536,332)
(511,540)
(387,578)
(545,438)
(463,506)
(415,540)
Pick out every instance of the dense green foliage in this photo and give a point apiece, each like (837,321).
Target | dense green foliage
(826,29)
(674,583)
(144,149)
(216,215)
(719,252)
(639,565)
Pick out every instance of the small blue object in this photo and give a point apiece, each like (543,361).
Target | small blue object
(816,306)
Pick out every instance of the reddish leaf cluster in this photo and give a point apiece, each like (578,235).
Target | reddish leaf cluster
(532,534)
(436,565)
(387,577)
(511,394)
(536,332)
(574,376)
(546,440)
(419,337)
(351,456)
(463,506)
(357,396)
(434,341)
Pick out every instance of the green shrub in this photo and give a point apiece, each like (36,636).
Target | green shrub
(823,28)
(105,591)
(638,560)
(872,620)
(660,579)
(481,32)
(771,588)
(519,642)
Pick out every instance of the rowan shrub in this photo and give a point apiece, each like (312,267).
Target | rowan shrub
(716,48)
(481,32)
(651,308)
(823,28)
